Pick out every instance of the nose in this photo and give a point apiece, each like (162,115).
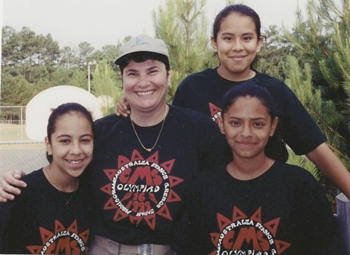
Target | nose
(76,148)
(246,130)
(237,45)
(143,80)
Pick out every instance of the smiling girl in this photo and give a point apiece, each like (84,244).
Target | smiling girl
(237,40)
(257,204)
(53,214)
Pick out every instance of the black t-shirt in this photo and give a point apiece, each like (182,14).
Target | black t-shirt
(45,220)
(283,211)
(140,194)
(203,92)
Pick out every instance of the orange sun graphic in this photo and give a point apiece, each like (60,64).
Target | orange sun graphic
(215,112)
(247,233)
(141,189)
(62,240)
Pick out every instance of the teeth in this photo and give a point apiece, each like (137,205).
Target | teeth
(75,161)
(144,93)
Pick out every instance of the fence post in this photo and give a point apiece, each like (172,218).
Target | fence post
(343,215)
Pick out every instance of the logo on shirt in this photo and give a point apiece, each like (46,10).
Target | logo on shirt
(62,241)
(215,112)
(141,189)
(247,235)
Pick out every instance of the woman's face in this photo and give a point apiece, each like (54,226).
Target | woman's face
(247,126)
(71,145)
(237,44)
(145,85)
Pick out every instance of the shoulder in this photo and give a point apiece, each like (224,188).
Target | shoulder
(272,84)
(107,120)
(190,117)
(266,77)
(35,184)
(107,123)
(296,174)
(269,81)
(201,75)
(195,78)
(34,178)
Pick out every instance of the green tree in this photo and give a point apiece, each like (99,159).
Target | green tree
(16,90)
(79,79)
(26,51)
(182,24)
(321,44)
(106,86)
(273,56)
(85,54)
(68,58)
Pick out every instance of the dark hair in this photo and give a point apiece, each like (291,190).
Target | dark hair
(60,111)
(239,8)
(142,56)
(275,147)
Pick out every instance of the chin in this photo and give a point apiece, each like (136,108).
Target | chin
(76,173)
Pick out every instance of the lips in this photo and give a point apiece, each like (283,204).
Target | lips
(245,144)
(237,58)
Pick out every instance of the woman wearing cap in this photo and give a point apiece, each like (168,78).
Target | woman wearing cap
(143,164)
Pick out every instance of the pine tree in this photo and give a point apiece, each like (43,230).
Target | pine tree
(107,87)
(321,46)
(182,24)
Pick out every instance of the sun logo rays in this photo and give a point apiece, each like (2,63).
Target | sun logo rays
(140,189)
(247,234)
(62,241)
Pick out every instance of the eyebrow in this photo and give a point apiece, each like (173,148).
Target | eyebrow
(69,136)
(239,118)
(246,33)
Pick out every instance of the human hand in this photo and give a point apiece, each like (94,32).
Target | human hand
(123,108)
(10,183)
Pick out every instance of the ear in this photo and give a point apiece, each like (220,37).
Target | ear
(274,126)
(260,43)
(48,146)
(221,125)
(213,43)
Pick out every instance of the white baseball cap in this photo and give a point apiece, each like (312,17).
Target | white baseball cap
(143,42)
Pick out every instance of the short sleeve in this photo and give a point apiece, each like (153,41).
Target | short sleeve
(299,130)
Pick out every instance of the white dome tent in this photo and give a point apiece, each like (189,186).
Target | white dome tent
(39,107)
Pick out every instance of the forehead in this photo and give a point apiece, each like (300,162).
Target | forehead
(149,63)
(236,21)
(72,121)
(247,106)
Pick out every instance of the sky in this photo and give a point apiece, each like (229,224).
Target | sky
(102,22)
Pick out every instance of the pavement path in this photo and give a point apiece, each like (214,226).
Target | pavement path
(22,159)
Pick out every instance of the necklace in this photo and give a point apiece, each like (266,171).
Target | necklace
(67,196)
(157,139)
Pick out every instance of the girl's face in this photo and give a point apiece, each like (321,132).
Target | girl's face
(237,44)
(71,144)
(247,126)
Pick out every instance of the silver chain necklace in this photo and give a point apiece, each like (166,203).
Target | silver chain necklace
(157,139)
